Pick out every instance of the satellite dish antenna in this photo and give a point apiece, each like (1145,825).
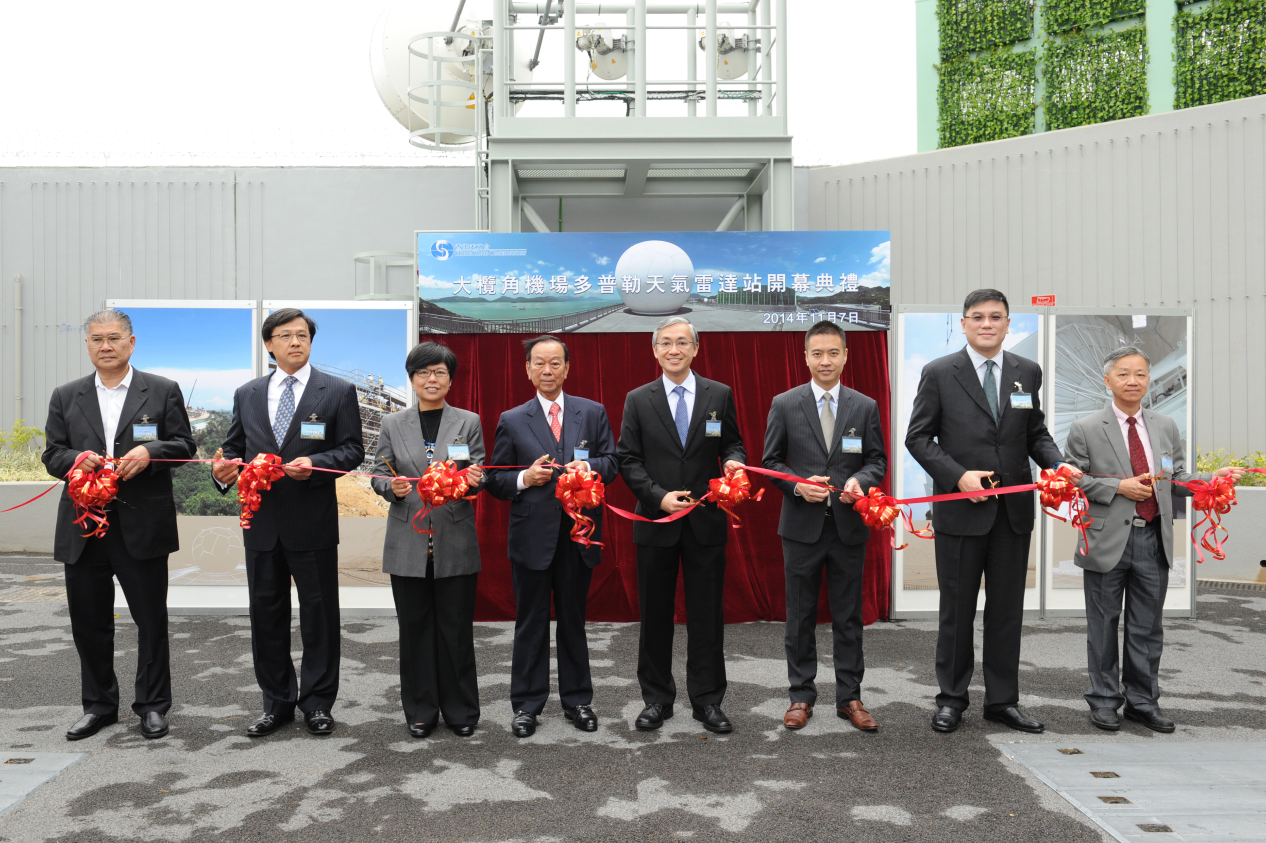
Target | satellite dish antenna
(396,70)
(732,52)
(608,58)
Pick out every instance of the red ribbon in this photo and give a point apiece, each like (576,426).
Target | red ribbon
(879,511)
(257,476)
(1214,498)
(579,490)
(441,483)
(1057,488)
(731,490)
(91,492)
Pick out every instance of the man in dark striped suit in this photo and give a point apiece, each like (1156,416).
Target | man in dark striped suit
(310,420)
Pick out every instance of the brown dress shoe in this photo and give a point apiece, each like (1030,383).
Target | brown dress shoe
(797,717)
(857,714)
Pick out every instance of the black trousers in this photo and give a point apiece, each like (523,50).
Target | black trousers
(315,573)
(1141,578)
(703,570)
(567,579)
(90,598)
(1002,555)
(437,647)
(803,564)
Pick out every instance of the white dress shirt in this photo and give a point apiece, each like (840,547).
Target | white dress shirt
(110,400)
(1143,437)
(818,393)
(689,384)
(276,386)
(978,361)
(545,405)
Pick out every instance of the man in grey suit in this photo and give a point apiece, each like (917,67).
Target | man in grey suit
(826,432)
(1131,538)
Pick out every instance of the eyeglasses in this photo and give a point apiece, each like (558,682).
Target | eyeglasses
(301,337)
(426,374)
(979,319)
(669,345)
(96,340)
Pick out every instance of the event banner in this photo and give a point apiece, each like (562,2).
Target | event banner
(481,282)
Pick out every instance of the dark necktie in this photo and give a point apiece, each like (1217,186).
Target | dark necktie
(991,390)
(1146,509)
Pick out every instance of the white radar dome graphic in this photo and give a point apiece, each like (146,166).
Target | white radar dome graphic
(654,263)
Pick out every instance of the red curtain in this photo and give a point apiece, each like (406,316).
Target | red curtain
(605,367)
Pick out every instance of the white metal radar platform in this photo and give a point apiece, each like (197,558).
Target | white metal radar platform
(482,79)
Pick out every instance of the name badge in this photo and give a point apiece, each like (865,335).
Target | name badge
(1167,464)
(312,430)
(459,452)
(851,444)
(712,428)
(580,454)
(144,432)
(1021,401)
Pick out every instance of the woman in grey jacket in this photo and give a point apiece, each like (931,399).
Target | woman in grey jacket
(433,577)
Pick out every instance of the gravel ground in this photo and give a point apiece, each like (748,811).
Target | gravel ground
(371,781)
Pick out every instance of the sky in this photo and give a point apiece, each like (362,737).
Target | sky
(375,341)
(173,342)
(284,83)
(864,253)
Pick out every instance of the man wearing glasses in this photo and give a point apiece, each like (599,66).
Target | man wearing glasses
(137,417)
(977,421)
(678,432)
(552,427)
(312,421)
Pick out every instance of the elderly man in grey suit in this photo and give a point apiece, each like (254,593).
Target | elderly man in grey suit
(825,432)
(434,574)
(1131,538)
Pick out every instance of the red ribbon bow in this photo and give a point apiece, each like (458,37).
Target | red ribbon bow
(731,490)
(1056,488)
(257,476)
(90,492)
(1215,499)
(441,483)
(579,490)
(879,511)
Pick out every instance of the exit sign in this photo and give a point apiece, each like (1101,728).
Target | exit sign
(1044,301)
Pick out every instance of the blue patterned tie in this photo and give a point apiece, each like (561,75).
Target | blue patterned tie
(681,417)
(285,409)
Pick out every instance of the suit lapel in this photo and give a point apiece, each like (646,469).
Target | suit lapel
(700,413)
(88,404)
(135,398)
(539,426)
(1010,377)
(571,429)
(446,434)
(1157,432)
(313,395)
(966,375)
(659,400)
(1112,430)
(414,446)
(810,407)
(843,413)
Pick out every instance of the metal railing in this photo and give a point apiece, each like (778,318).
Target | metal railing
(442,323)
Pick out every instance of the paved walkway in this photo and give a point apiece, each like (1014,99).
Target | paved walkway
(371,781)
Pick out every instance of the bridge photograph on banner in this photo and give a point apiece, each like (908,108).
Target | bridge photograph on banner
(481,282)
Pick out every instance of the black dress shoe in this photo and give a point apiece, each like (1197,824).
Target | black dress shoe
(462,731)
(421,730)
(1014,718)
(90,724)
(153,725)
(523,725)
(1151,719)
(653,716)
(714,719)
(946,719)
(582,717)
(319,722)
(1106,719)
(266,724)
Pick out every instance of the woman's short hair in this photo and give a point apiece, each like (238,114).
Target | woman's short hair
(427,354)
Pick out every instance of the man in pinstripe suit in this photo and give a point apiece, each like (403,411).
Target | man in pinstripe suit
(310,420)
(826,432)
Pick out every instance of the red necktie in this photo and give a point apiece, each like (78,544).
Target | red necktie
(554,423)
(1146,509)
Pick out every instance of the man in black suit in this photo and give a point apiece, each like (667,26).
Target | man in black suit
(826,432)
(310,420)
(978,418)
(544,561)
(119,411)
(677,431)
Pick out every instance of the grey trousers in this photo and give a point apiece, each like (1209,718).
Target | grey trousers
(803,564)
(1142,579)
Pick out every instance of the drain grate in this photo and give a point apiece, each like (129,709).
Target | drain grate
(1114,800)
(1070,752)
(1156,827)
(19,761)
(1105,775)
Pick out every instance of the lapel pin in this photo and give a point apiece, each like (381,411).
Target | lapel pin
(457,441)
(145,420)
(312,417)
(852,431)
(714,415)
(1018,387)
(583,443)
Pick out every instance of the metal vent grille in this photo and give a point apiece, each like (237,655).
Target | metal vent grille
(609,173)
(699,173)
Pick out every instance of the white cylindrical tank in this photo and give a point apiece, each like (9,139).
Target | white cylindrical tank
(652,265)
(395,70)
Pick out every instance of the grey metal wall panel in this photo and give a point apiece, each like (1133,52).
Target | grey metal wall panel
(1167,210)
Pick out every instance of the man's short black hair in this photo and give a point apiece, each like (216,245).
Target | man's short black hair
(528,345)
(824,327)
(427,354)
(976,297)
(281,317)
